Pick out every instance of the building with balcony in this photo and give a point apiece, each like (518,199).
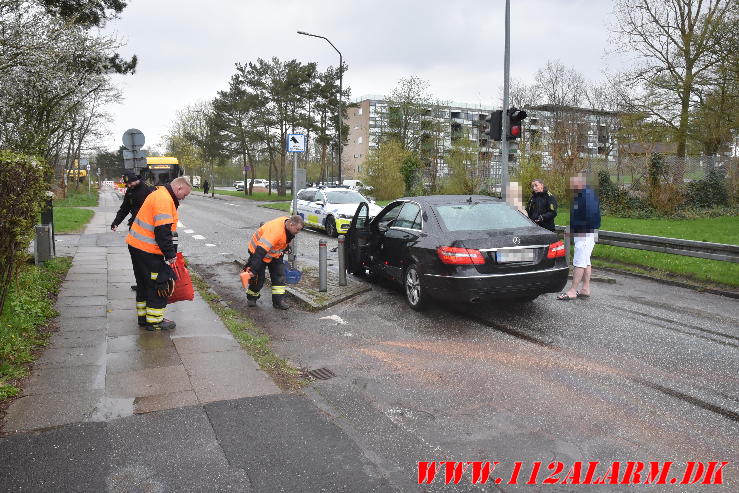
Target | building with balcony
(549,129)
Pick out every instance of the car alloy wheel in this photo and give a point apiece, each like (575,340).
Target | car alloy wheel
(413,290)
(331,226)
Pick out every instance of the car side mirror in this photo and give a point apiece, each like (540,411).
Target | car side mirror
(320,203)
(382,227)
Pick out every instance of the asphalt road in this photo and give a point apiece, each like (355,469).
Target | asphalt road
(641,371)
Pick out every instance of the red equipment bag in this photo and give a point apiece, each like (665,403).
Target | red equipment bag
(183,290)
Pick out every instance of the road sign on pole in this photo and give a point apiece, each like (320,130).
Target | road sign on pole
(296,143)
(133,139)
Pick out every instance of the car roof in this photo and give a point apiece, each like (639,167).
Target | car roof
(334,189)
(450,199)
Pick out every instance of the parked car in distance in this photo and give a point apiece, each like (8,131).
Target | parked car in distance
(456,248)
(357,185)
(331,209)
(239,185)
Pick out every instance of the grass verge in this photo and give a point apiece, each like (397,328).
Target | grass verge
(78,198)
(724,229)
(262,196)
(251,338)
(70,220)
(24,322)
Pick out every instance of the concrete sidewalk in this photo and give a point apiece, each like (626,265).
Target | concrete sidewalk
(112,407)
(100,365)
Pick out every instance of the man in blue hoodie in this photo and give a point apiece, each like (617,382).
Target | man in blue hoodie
(584,224)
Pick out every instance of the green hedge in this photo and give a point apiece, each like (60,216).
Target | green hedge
(20,207)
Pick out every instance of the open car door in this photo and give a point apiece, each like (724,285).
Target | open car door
(358,240)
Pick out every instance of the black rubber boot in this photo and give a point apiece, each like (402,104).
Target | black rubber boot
(280,304)
(142,321)
(163,325)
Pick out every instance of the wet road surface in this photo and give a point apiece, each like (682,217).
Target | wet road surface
(641,371)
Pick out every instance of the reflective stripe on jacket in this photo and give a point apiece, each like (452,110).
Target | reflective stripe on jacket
(158,210)
(272,237)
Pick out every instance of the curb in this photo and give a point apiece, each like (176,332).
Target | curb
(334,294)
(316,300)
(597,278)
(679,284)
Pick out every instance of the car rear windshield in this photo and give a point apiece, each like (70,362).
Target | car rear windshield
(344,197)
(480,216)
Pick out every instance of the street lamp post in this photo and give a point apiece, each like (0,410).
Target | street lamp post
(341,79)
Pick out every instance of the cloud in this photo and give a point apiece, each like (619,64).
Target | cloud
(188,49)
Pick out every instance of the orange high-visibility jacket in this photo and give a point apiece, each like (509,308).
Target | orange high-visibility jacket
(272,237)
(157,210)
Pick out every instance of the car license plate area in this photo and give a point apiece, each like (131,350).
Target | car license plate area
(518,255)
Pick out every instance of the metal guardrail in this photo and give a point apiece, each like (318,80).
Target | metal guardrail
(674,246)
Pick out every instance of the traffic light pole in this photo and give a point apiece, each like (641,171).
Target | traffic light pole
(504,126)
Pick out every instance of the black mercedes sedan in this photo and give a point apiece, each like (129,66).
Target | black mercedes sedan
(458,248)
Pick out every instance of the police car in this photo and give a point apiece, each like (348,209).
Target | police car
(331,209)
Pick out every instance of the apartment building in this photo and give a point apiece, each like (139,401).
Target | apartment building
(368,120)
(548,129)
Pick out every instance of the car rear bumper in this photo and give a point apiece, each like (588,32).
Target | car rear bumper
(495,286)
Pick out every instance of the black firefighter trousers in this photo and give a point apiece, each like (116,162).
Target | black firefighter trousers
(276,277)
(147,267)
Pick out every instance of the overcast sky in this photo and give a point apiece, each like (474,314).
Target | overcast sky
(187,49)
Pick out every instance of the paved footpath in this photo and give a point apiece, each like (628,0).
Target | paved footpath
(112,407)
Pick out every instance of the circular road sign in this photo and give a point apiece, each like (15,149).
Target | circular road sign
(133,139)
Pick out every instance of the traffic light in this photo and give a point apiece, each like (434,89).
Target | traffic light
(515,127)
(494,125)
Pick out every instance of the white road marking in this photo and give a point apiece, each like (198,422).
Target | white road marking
(189,231)
(336,319)
(224,253)
(198,237)
(209,245)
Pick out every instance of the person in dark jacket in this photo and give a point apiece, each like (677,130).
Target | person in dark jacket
(542,206)
(206,187)
(136,193)
(584,224)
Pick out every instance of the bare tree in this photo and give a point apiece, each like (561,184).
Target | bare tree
(673,41)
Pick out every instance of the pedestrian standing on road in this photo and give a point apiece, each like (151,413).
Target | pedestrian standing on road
(514,196)
(266,249)
(206,187)
(136,192)
(152,243)
(584,224)
(542,206)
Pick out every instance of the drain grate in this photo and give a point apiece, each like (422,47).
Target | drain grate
(321,374)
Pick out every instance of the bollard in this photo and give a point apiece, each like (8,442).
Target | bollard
(342,262)
(47,217)
(43,244)
(322,266)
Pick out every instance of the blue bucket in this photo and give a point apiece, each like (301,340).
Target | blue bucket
(292,276)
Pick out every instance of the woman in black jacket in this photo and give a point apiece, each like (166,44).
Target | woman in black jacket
(542,206)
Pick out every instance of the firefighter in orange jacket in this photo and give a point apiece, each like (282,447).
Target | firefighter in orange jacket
(152,242)
(266,249)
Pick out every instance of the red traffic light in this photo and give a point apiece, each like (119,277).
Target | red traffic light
(515,130)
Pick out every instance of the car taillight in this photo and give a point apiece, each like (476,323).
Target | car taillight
(460,256)
(556,250)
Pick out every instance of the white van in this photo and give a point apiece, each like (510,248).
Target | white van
(356,185)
